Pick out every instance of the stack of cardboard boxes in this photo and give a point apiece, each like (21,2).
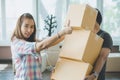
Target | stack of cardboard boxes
(81,48)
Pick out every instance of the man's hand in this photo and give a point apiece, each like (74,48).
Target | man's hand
(90,77)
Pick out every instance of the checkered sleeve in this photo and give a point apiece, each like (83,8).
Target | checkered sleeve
(24,47)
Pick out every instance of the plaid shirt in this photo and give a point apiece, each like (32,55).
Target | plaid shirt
(27,61)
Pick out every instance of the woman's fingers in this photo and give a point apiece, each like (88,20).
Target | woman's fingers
(68,24)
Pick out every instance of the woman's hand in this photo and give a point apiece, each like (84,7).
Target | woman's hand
(68,29)
(90,77)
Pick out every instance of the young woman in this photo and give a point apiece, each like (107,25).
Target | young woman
(26,48)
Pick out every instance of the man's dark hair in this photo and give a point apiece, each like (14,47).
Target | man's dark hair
(99,17)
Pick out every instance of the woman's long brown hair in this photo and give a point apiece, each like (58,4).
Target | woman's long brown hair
(17,32)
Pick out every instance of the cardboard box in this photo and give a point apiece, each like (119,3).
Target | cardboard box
(81,45)
(70,70)
(81,16)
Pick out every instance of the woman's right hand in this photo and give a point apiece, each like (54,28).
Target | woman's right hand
(68,28)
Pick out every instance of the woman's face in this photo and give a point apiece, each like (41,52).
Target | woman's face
(27,27)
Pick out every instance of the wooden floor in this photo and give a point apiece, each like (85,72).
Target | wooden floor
(6,73)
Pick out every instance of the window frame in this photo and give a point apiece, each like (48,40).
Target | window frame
(5,41)
(36,5)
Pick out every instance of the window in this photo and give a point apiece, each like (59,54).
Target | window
(54,7)
(46,8)
(0,22)
(14,9)
(111,12)
(10,11)
(91,3)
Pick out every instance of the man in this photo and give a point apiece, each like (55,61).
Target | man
(100,65)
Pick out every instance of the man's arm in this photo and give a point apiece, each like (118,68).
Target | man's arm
(99,63)
(101,59)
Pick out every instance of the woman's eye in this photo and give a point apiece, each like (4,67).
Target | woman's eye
(32,27)
(26,26)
